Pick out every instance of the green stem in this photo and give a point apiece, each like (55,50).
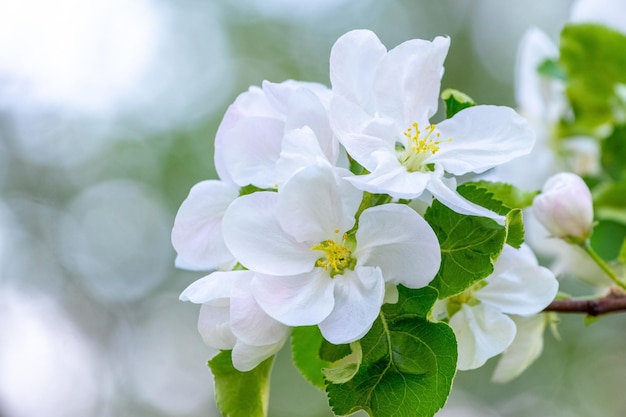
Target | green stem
(602,264)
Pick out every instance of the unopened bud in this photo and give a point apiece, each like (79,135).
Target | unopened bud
(565,207)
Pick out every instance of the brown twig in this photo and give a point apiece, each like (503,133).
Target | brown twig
(611,303)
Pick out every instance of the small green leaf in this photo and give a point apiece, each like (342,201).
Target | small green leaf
(456,101)
(469,245)
(514,228)
(501,196)
(504,199)
(241,394)
(408,363)
(593,57)
(550,68)
(345,368)
(305,348)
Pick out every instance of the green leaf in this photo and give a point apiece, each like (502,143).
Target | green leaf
(241,394)
(550,68)
(593,57)
(622,253)
(610,201)
(469,245)
(501,196)
(305,347)
(504,199)
(607,239)
(345,368)
(455,101)
(408,363)
(613,156)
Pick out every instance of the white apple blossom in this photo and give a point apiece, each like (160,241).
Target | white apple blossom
(480,316)
(309,270)
(265,136)
(380,110)
(565,207)
(249,140)
(230,318)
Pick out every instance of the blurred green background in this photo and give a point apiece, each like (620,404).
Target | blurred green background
(108,111)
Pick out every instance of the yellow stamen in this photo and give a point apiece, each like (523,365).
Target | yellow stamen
(419,148)
(336,259)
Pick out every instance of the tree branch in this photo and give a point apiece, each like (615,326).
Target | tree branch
(611,303)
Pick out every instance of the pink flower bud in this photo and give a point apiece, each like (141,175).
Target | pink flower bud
(565,207)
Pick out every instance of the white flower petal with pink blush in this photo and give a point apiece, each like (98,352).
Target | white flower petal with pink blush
(249,140)
(309,271)
(382,119)
(565,207)
(197,232)
(231,319)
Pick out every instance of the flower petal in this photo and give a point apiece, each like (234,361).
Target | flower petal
(358,297)
(197,232)
(481,332)
(298,300)
(246,357)
(248,321)
(315,204)
(254,236)
(399,241)
(524,350)
(353,61)
(408,80)
(522,290)
(481,138)
(390,177)
(214,327)
(453,200)
(215,288)
(250,151)
(361,133)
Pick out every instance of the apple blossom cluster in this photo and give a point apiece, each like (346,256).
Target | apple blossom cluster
(344,213)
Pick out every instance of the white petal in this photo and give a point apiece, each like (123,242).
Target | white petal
(248,321)
(299,300)
(481,333)
(214,327)
(481,138)
(408,80)
(215,288)
(315,204)
(300,149)
(361,133)
(197,232)
(250,151)
(254,236)
(358,297)
(246,357)
(353,61)
(453,200)
(400,242)
(524,350)
(390,177)
(522,290)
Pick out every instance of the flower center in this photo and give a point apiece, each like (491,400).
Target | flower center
(466,297)
(336,257)
(419,147)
